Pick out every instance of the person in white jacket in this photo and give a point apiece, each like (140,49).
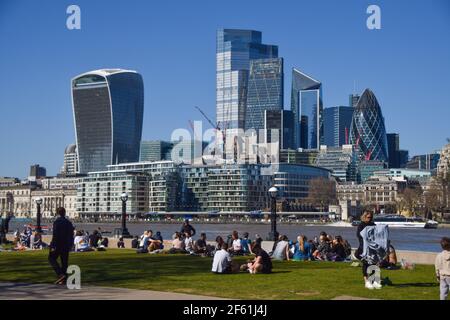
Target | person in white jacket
(442,266)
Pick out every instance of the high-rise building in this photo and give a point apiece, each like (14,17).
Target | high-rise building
(36,171)
(70,166)
(427,161)
(403,158)
(353,100)
(307,106)
(155,150)
(367,168)
(367,131)
(444,161)
(341,161)
(283,121)
(265,91)
(108,107)
(336,125)
(235,49)
(393,143)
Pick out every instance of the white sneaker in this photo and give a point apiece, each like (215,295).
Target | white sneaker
(369,285)
(377,285)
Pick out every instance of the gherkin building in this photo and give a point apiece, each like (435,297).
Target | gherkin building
(367,131)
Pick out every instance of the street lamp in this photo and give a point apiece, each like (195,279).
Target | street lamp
(124,231)
(38,201)
(273,235)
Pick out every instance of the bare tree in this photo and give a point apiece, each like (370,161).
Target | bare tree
(322,192)
(410,198)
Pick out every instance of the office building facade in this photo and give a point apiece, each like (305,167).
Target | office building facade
(234,50)
(108,108)
(393,143)
(341,161)
(155,150)
(336,125)
(265,91)
(368,131)
(70,166)
(307,107)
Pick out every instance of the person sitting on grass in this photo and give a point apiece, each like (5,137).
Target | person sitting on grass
(155,245)
(135,242)
(322,248)
(219,242)
(262,262)
(246,243)
(303,250)
(144,243)
(390,261)
(80,243)
(281,251)
(188,243)
(94,239)
(177,244)
(200,246)
(121,243)
(337,250)
(236,248)
(222,262)
(36,241)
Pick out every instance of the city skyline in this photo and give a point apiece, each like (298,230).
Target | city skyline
(44,123)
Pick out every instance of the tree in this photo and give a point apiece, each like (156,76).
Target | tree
(410,199)
(322,192)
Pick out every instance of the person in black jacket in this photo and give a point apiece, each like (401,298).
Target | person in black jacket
(366,220)
(61,244)
(186,227)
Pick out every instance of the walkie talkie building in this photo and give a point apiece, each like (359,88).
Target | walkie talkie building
(108,108)
(367,131)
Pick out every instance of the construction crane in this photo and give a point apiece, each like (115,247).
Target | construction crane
(216,126)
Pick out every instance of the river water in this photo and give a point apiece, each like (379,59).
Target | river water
(401,238)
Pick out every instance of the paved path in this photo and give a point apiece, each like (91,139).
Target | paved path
(27,291)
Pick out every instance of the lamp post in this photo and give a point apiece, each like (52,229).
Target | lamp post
(38,201)
(273,235)
(124,231)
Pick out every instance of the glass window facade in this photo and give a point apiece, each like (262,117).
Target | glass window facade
(307,107)
(234,50)
(265,91)
(108,109)
(336,125)
(367,131)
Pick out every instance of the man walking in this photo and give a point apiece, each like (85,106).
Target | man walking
(60,245)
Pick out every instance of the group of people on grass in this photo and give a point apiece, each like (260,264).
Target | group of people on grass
(84,242)
(28,239)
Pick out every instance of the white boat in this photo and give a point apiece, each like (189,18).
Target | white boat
(399,221)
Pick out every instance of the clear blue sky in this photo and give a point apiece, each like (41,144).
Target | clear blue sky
(172,44)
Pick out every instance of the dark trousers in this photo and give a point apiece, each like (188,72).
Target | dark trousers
(365,265)
(53,260)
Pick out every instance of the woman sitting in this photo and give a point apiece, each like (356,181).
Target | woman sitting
(177,244)
(337,252)
(281,251)
(303,250)
(80,243)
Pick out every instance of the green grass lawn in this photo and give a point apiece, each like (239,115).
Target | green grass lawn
(190,274)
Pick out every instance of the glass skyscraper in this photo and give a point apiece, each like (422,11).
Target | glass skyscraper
(368,132)
(155,150)
(336,125)
(265,91)
(234,51)
(108,107)
(307,106)
(393,143)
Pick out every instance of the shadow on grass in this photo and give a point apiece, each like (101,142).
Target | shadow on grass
(417,284)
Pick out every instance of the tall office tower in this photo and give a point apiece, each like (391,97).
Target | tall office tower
(307,106)
(108,107)
(235,49)
(403,158)
(36,171)
(155,150)
(265,91)
(336,125)
(283,121)
(393,142)
(367,132)
(353,99)
(70,166)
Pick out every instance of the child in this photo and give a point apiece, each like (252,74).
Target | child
(442,266)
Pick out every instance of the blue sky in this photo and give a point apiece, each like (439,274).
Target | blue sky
(172,44)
